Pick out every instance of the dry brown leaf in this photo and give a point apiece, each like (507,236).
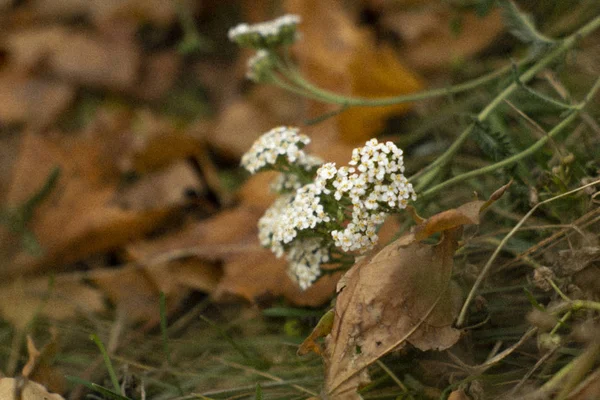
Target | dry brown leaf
(402,294)
(167,188)
(136,289)
(458,395)
(157,144)
(196,274)
(217,237)
(322,329)
(430,42)
(375,72)
(258,274)
(255,191)
(77,56)
(249,271)
(81,204)
(154,11)
(466,214)
(244,120)
(337,55)
(22,299)
(29,390)
(26,99)
(39,366)
(159,72)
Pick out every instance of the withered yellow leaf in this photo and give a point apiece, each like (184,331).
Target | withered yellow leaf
(29,390)
(341,57)
(402,294)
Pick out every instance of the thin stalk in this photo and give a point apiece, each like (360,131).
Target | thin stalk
(334,98)
(111,371)
(431,171)
(487,266)
(519,156)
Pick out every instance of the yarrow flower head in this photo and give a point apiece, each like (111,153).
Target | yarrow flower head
(305,258)
(376,186)
(340,207)
(260,66)
(283,144)
(266,35)
(291,214)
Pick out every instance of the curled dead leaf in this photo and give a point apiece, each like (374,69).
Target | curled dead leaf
(28,390)
(402,294)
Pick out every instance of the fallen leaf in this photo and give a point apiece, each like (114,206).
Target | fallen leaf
(158,74)
(375,72)
(76,56)
(82,204)
(337,55)
(28,390)
(157,144)
(244,120)
(458,395)
(430,43)
(22,299)
(155,11)
(136,289)
(249,271)
(402,294)
(164,189)
(27,99)
(256,274)
(39,366)
(322,329)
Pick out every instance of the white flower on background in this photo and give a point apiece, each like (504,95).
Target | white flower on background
(305,258)
(259,66)
(342,207)
(283,143)
(269,34)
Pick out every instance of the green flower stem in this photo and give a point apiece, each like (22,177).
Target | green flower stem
(274,80)
(576,305)
(430,172)
(334,98)
(519,156)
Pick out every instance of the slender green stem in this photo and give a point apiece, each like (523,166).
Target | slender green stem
(111,371)
(561,322)
(519,156)
(431,171)
(392,375)
(274,80)
(331,97)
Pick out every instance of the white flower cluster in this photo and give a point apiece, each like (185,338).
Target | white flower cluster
(270,34)
(289,215)
(259,66)
(305,257)
(289,182)
(375,185)
(281,144)
(342,207)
